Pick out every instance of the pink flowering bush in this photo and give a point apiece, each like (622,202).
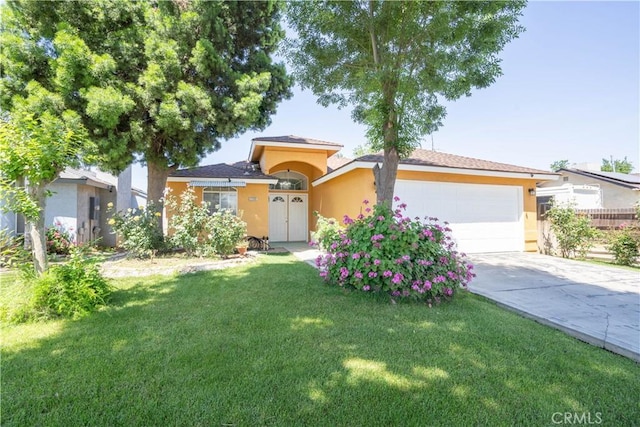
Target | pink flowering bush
(388,252)
(59,240)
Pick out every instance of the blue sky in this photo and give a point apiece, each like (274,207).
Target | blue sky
(570,90)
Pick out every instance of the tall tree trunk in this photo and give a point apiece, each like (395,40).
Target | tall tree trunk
(385,176)
(156,182)
(36,230)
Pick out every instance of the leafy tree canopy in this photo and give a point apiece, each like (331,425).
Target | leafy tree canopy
(164,81)
(620,166)
(559,164)
(395,62)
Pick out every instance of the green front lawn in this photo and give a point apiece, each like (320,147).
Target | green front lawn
(270,344)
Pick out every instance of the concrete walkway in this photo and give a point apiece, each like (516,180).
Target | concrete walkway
(594,303)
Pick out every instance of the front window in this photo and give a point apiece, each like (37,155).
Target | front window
(288,180)
(220,198)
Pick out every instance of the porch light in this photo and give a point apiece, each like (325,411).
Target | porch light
(532,191)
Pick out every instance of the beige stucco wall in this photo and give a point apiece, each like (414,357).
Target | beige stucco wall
(613,196)
(344,195)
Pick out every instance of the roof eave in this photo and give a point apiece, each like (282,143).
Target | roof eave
(607,179)
(358,164)
(249,180)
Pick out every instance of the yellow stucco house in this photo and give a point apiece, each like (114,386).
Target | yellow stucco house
(491,207)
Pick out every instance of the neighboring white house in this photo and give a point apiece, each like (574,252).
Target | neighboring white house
(580,196)
(592,189)
(79,201)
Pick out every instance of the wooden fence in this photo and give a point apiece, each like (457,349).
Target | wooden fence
(602,219)
(609,218)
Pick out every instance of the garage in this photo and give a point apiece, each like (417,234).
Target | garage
(483,217)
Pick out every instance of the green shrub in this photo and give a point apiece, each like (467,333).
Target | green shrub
(72,289)
(327,232)
(625,244)
(226,231)
(574,232)
(138,229)
(12,252)
(386,252)
(189,222)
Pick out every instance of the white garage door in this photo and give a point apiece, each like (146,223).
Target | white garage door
(484,218)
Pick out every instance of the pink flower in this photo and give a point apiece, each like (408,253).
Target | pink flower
(373,274)
(367,210)
(396,198)
(427,285)
(366,287)
(387,273)
(358,275)
(397,278)
(376,262)
(365,201)
(355,256)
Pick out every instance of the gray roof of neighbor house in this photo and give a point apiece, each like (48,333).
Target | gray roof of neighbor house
(422,157)
(241,170)
(622,179)
(293,139)
(93,178)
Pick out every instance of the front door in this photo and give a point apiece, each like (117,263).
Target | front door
(288,217)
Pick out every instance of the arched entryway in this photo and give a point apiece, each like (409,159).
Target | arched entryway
(289,207)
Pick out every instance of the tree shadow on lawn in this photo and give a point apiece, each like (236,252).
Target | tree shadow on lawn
(270,344)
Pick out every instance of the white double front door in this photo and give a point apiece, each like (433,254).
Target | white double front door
(288,215)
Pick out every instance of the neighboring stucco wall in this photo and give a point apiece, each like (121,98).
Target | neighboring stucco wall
(7,220)
(106,232)
(62,208)
(344,195)
(613,196)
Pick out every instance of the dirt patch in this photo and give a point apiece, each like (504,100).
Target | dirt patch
(166,266)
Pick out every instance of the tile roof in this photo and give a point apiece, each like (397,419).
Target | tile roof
(244,170)
(421,157)
(293,139)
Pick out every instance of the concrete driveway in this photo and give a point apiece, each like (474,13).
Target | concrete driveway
(594,303)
